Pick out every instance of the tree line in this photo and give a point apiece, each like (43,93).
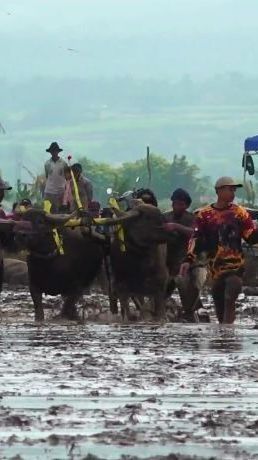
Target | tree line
(165,177)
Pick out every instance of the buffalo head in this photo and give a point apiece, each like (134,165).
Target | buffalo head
(143,225)
(35,231)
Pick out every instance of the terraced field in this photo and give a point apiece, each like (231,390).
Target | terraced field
(210,136)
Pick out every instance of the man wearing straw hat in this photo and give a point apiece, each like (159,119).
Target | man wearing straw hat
(55,177)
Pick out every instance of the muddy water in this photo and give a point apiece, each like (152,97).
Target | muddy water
(142,391)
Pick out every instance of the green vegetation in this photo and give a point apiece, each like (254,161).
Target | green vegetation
(211,137)
(166,176)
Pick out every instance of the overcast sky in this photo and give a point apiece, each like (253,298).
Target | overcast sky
(127,37)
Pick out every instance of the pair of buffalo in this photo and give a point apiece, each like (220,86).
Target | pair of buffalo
(141,270)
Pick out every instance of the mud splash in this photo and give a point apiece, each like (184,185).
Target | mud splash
(138,391)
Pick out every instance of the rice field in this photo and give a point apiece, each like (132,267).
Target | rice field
(210,136)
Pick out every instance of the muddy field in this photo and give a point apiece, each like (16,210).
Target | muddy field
(112,391)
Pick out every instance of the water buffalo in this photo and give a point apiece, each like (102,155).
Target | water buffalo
(141,269)
(51,272)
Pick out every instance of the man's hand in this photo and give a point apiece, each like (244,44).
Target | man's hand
(85,217)
(175,227)
(184,269)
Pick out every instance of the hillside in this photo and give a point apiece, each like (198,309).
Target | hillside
(101,124)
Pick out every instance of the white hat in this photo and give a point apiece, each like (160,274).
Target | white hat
(224,181)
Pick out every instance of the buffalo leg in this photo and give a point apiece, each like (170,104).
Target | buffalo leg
(113,303)
(36,296)
(69,310)
(1,275)
(138,302)
(110,286)
(1,269)
(159,306)
(124,304)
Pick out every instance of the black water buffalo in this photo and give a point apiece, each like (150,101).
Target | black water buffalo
(141,269)
(138,271)
(51,272)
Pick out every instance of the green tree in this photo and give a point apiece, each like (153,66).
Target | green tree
(166,176)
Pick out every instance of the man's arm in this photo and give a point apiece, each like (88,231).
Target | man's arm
(186,228)
(173,226)
(46,169)
(195,246)
(249,229)
(253,238)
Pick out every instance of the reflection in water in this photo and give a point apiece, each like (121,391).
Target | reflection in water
(142,385)
(227,339)
(123,385)
(189,342)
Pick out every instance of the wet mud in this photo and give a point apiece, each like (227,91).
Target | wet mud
(114,391)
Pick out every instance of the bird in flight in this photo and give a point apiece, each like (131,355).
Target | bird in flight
(72,50)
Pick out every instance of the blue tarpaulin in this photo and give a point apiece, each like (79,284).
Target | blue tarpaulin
(251,144)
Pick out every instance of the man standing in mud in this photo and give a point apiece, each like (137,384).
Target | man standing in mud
(55,177)
(179,218)
(219,230)
(179,223)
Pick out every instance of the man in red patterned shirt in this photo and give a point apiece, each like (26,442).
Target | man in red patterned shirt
(220,228)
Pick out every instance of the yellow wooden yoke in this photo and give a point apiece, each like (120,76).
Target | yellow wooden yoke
(73,223)
(101,221)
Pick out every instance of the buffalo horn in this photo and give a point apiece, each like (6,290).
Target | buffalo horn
(124,218)
(59,219)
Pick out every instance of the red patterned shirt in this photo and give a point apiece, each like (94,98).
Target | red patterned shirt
(219,233)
